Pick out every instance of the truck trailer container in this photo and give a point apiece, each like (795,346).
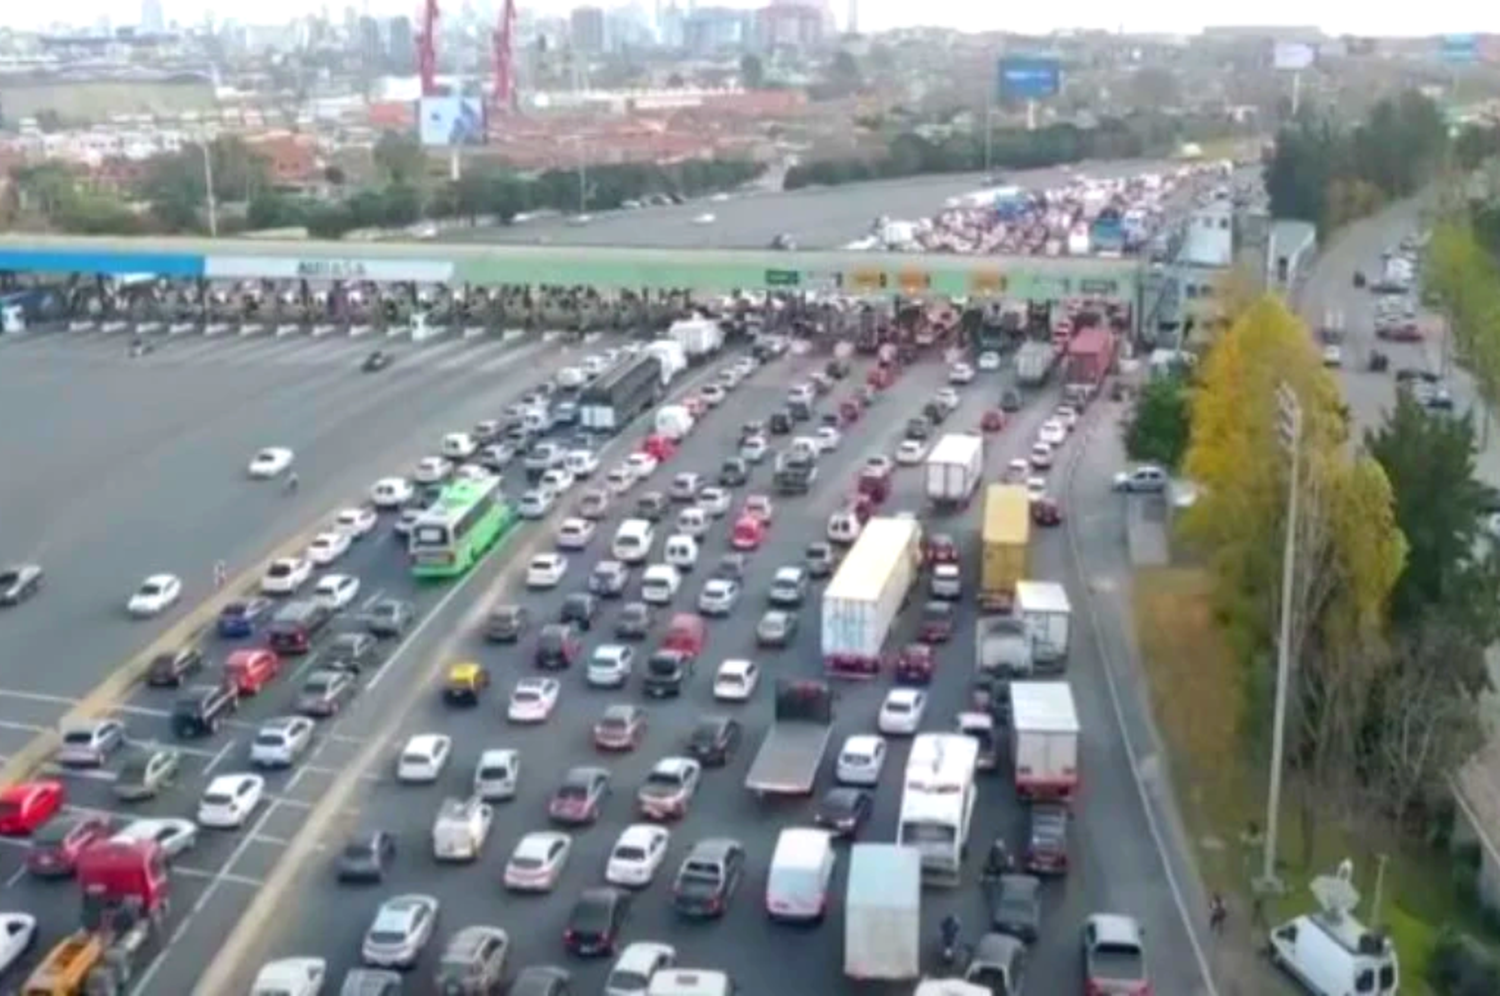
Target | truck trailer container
(670,354)
(954,469)
(883,913)
(792,752)
(700,338)
(1043,608)
(1044,739)
(1091,355)
(1034,362)
(1005,541)
(866,595)
(620,394)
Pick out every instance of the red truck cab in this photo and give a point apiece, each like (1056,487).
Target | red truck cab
(252,669)
(686,634)
(57,844)
(26,806)
(122,881)
(875,484)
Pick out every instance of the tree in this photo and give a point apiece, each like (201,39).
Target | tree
(399,158)
(844,72)
(1159,427)
(752,71)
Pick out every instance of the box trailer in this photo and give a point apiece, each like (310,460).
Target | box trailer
(700,338)
(954,469)
(867,593)
(883,913)
(1034,362)
(1044,609)
(1005,544)
(1091,355)
(1044,739)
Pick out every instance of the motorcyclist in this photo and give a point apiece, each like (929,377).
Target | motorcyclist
(950,929)
(292,482)
(999,862)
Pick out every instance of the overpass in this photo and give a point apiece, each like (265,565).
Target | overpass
(1033,278)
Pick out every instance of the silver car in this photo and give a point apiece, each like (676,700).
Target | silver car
(145,773)
(90,744)
(279,741)
(401,929)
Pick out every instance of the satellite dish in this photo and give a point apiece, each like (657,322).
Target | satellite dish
(1336,893)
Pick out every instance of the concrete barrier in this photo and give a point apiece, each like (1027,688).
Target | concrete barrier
(511,335)
(282,331)
(252,328)
(398,332)
(216,328)
(115,326)
(319,331)
(355,331)
(81,326)
(148,328)
(181,328)
(474,331)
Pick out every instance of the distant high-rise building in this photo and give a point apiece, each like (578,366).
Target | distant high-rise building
(401,44)
(709,30)
(586,29)
(152,19)
(853,26)
(370,42)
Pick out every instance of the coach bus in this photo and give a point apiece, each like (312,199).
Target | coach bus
(620,394)
(937,803)
(468,518)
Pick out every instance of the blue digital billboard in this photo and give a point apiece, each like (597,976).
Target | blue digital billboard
(1029,77)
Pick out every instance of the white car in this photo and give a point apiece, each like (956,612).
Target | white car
(861,761)
(532,700)
(574,534)
(620,480)
(337,591)
(472,472)
(17,932)
(557,480)
(713,395)
(609,666)
(901,712)
(637,854)
(1052,432)
(432,470)
(538,861)
(546,570)
(155,595)
(714,501)
(571,377)
(659,584)
(736,681)
(1041,456)
(423,759)
(356,523)
(581,463)
(1333,355)
(173,835)
(706,218)
(497,775)
(285,576)
(325,548)
(229,800)
(290,977)
(642,465)
(391,492)
(280,741)
(947,581)
(910,452)
(989,360)
(960,373)
(754,449)
(828,439)
(536,503)
(718,596)
(1036,488)
(638,964)
(1067,415)
(400,931)
(270,462)
(947,397)
(1017,470)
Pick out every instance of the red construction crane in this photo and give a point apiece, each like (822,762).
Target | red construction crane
(503,48)
(427,48)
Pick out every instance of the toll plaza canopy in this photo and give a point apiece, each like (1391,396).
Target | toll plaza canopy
(713,270)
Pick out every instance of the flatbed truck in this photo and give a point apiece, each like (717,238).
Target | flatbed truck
(793,750)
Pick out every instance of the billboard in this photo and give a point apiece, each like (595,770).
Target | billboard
(378,269)
(1460,50)
(1029,77)
(1292,56)
(450,121)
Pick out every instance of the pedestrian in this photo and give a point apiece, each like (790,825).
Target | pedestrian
(1218,914)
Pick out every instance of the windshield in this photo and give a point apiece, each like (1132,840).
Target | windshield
(155,589)
(526,861)
(663,780)
(8,578)
(387,937)
(630,852)
(271,739)
(430,536)
(573,792)
(217,799)
(357,852)
(316,686)
(663,665)
(919,833)
(84,737)
(494,772)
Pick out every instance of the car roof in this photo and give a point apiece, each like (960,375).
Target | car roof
(638,832)
(863,742)
(641,955)
(1116,928)
(470,938)
(903,695)
(713,848)
(674,765)
(540,841)
(427,741)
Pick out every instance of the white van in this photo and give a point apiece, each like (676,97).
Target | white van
(633,541)
(1332,954)
(692,522)
(691,982)
(843,527)
(674,422)
(537,420)
(801,869)
(459,446)
(682,552)
(659,584)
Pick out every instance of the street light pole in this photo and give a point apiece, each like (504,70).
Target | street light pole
(208,185)
(1290,427)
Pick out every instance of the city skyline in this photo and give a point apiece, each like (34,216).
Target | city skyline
(1153,16)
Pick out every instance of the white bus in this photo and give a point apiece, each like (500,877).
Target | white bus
(937,803)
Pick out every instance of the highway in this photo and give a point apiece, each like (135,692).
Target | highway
(1115,866)
(815,217)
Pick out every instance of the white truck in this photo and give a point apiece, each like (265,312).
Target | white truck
(1044,609)
(954,469)
(866,595)
(674,422)
(669,353)
(1034,362)
(883,913)
(700,338)
(1044,739)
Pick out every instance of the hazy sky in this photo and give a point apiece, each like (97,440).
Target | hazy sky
(1344,16)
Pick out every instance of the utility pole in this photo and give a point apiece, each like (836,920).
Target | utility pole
(208,185)
(1289,425)
(1380,859)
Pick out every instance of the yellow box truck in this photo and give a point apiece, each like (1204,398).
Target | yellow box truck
(1006,543)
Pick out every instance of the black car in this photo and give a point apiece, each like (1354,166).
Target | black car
(1010,401)
(376,360)
(936,412)
(19,582)
(579,608)
(666,672)
(596,920)
(918,429)
(609,579)
(752,428)
(202,710)
(506,623)
(170,669)
(651,506)
(800,411)
(781,423)
(351,652)
(1016,907)
(709,878)
(734,472)
(388,617)
(542,980)
(557,647)
(634,621)
(837,369)
(366,856)
(820,560)
(714,740)
(844,811)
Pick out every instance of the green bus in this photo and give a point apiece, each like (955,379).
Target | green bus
(468,518)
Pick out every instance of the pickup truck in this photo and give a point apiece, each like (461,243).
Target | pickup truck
(792,752)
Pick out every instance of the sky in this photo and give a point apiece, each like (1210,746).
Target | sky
(1433,17)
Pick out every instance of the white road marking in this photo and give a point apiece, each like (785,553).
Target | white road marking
(6,724)
(214,761)
(204,873)
(11,693)
(15,877)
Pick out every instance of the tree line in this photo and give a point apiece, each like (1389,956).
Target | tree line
(171,195)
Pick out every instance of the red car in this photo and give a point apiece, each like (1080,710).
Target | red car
(849,412)
(252,669)
(875,484)
(880,378)
(992,421)
(1046,512)
(915,664)
(56,845)
(940,549)
(661,448)
(748,533)
(26,806)
(936,624)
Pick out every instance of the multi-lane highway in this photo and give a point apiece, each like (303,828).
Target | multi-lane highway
(817,217)
(1115,866)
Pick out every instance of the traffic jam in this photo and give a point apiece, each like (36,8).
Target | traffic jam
(748,587)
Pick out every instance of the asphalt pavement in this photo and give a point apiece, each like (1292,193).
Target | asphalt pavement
(815,217)
(1115,866)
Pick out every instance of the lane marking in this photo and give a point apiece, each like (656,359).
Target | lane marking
(6,724)
(15,877)
(214,761)
(204,873)
(10,693)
